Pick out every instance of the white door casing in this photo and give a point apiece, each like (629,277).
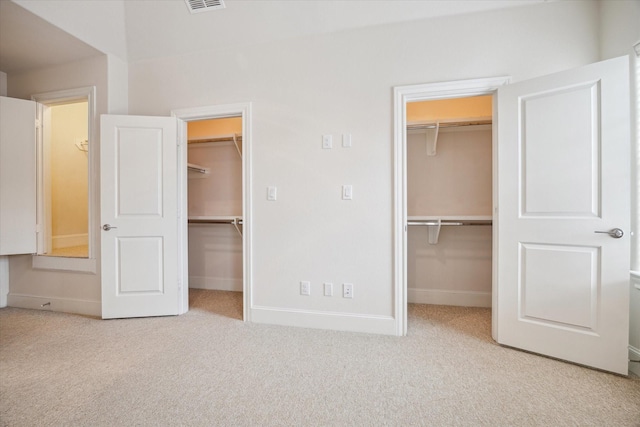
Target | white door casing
(563,174)
(139,200)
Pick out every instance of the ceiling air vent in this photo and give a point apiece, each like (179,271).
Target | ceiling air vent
(197,6)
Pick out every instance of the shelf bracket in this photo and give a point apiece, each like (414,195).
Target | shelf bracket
(434,232)
(236,223)
(431,136)
(235,142)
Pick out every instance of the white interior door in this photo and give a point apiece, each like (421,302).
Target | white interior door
(17,176)
(563,176)
(139,213)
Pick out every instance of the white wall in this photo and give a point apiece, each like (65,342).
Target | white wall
(342,83)
(67,291)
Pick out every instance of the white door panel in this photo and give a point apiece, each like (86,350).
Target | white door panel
(17,176)
(564,173)
(139,200)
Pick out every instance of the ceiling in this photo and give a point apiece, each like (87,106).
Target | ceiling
(29,42)
(160,28)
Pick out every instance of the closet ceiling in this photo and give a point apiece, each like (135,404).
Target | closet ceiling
(162,28)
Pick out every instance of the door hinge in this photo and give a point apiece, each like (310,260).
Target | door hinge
(37,123)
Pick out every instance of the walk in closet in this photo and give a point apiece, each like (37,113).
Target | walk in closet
(214,156)
(449,201)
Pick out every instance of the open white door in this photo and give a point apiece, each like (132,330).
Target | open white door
(563,177)
(139,215)
(17,176)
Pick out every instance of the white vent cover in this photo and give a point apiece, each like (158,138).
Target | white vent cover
(197,6)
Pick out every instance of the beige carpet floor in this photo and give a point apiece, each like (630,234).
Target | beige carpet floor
(208,368)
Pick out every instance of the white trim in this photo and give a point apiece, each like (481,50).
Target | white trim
(68,240)
(221,111)
(634,354)
(78,265)
(350,322)
(402,95)
(215,283)
(4,280)
(63,305)
(446,297)
(49,99)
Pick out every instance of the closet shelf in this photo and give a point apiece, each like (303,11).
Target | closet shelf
(435,223)
(236,138)
(236,221)
(477,121)
(457,218)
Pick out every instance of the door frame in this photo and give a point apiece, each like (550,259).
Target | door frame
(428,92)
(205,113)
(43,119)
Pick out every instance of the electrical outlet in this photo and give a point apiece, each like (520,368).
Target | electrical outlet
(305,288)
(347,290)
(328,289)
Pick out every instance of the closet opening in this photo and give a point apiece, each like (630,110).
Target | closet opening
(214,170)
(445,180)
(449,201)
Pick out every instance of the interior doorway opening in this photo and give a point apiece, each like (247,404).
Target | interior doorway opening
(215,203)
(449,201)
(421,112)
(66,190)
(214,170)
(66,183)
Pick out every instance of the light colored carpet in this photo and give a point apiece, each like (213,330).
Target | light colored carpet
(208,368)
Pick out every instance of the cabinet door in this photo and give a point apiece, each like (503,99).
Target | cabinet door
(17,176)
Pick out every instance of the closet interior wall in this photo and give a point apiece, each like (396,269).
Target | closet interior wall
(214,184)
(450,181)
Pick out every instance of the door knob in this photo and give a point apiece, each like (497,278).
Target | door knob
(616,233)
(108,227)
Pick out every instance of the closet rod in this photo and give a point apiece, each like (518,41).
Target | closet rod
(435,223)
(197,169)
(417,126)
(216,221)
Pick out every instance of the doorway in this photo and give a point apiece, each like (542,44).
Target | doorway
(214,173)
(449,201)
(426,126)
(67,187)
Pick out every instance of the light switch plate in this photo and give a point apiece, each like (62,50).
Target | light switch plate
(346,140)
(328,289)
(347,192)
(272,193)
(327,141)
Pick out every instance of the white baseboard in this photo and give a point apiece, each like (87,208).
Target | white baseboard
(384,325)
(215,283)
(634,354)
(63,305)
(69,240)
(442,297)
(4,280)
